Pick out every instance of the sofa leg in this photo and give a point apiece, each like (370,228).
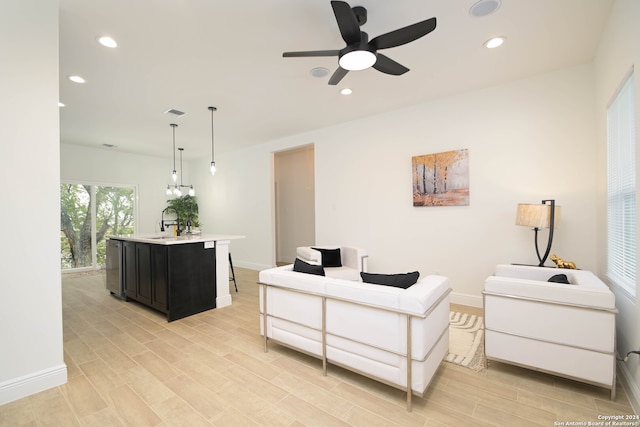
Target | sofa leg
(409,373)
(264,316)
(324,336)
(613,393)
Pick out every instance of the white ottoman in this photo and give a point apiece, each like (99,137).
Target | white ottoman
(563,329)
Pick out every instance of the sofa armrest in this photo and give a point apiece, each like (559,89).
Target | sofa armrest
(309,255)
(353,257)
(425,294)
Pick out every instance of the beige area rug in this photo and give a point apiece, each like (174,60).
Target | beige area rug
(466,341)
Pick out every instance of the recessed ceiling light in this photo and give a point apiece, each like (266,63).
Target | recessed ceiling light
(107,41)
(60,104)
(346,91)
(319,72)
(109,145)
(77,79)
(494,42)
(484,8)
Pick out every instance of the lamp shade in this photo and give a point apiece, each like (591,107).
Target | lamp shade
(536,215)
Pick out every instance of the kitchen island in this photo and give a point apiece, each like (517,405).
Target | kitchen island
(177,275)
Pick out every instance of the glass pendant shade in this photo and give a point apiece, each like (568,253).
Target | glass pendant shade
(213,168)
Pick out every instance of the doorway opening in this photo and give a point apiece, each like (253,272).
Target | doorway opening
(294,188)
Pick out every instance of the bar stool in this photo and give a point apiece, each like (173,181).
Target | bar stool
(233,273)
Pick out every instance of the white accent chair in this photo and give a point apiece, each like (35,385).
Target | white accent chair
(563,329)
(354,261)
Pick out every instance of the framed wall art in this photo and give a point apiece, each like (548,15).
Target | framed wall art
(441,179)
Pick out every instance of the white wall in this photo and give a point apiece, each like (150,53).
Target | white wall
(528,140)
(619,50)
(31,358)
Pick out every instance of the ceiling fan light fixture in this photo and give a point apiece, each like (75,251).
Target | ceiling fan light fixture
(357,60)
(346,91)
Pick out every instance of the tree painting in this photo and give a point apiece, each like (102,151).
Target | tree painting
(441,179)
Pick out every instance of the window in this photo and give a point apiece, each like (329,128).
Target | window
(621,189)
(89,213)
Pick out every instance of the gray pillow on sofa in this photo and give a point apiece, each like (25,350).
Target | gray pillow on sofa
(403,280)
(330,257)
(559,278)
(304,267)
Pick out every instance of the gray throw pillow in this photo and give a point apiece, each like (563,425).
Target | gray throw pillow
(559,278)
(402,280)
(304,267)
(330,257)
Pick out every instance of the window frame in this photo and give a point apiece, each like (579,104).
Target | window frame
(622,210)
(92,194)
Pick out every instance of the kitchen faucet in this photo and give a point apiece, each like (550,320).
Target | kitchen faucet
(177,223)
(188,224)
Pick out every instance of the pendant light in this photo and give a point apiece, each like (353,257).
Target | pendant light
(176,189)
(178,192)
(213,163)
(174,175)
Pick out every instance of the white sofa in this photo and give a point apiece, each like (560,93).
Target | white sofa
(354,260)
(362,327)
(563,329)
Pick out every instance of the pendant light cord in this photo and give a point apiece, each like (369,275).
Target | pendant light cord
(180,149)
(212,109)
(173,125)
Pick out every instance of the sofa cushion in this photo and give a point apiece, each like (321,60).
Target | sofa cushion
(308,255)
(330,257)
(402,280)
(304,267)
(345,273)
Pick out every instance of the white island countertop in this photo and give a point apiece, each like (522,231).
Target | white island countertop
(163,239)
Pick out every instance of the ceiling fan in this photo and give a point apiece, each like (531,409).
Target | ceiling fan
(360,53)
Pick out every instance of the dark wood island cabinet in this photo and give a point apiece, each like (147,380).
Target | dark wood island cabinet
(175,276)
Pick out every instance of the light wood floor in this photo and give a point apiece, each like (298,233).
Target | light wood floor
(128,367)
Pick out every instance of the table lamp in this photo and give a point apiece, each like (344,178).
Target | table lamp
(538,216)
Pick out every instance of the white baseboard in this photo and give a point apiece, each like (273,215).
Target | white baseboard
(36,382)
(630,386)
(464,299)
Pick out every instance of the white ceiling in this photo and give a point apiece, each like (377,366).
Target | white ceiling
(190,54)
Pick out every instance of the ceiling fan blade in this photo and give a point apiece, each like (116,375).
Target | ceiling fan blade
(389,66)
(347,22)
(310,53)
(337,76)
(404,35)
